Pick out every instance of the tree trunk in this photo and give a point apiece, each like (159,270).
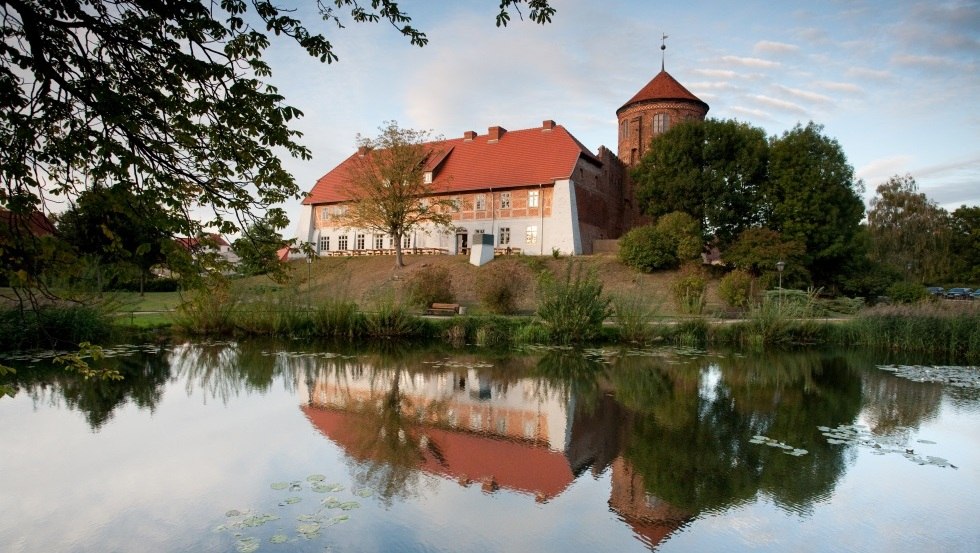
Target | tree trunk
(399,262)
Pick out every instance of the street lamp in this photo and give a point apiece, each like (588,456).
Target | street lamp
(309,280)
(780,265)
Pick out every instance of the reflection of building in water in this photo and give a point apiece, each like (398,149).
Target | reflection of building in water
(519,436)
(510,437)
(651,518)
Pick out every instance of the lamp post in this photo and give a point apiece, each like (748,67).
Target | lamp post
(780,265)
(309,280)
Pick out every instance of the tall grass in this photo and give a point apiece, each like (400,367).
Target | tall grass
(53,326)
(781,319)
(632,317)
(572,307)
(950,328)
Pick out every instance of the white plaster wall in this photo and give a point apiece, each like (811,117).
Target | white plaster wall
(561,229)
(305,228)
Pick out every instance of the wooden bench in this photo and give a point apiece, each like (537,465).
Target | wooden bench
(442,309)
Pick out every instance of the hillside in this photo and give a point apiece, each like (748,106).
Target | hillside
(367,279)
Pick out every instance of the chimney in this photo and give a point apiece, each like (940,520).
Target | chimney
(469,135)
(547,125)
(495,134)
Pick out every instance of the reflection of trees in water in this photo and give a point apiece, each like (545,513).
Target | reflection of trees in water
(690,443)
(571,374)
(224,370)
(896,405)
(144,376)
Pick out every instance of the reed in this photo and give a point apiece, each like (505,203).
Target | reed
(53,326)
(948,328)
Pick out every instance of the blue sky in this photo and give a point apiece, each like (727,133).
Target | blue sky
(896,83)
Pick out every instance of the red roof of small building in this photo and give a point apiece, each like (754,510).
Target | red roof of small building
(191,243)
(526,157)
(660,88)
(36,223)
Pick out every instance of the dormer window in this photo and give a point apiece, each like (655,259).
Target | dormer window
(427,177)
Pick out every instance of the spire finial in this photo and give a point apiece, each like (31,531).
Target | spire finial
(663,48)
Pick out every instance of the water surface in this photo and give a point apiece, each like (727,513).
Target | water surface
(286,447)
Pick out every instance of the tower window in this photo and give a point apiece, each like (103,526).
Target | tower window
(661,122)
(624,129)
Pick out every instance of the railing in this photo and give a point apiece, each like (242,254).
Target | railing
(384,251)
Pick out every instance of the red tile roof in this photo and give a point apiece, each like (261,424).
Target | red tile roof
(660,88)
(36,223)
(519,158)
(191,243)
(464,456)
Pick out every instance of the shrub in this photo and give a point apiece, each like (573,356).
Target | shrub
(572,307)
(688,291)
(906,292)
(430,285)
(632,318)
(207,310)
(685,231)
(735,289)
(647,249)
(500,287)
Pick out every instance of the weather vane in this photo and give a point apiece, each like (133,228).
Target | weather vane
(663,47)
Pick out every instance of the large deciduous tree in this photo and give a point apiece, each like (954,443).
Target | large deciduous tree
(170,97)
(387,186)
(258,249)
(713,170)
(811,196)
(909,232)
(966,243)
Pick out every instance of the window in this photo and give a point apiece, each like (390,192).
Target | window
(624,130)
(407,241)
(504,236)
(324,243)
(379,241)
(478,231)
(457,203)
(324,213)
(481,202)
(359,242)
(532,235)
(532,198)
(661,122)
(427,177)
(342,242)
(504,200)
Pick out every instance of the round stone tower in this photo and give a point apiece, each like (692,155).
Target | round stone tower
(661,103)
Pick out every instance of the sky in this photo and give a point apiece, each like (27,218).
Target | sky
(895,83)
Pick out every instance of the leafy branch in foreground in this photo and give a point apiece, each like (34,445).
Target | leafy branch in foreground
(75,361)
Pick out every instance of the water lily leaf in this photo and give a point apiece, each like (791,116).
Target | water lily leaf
(280,485)
(348,505)
(364,492)
(279,538)
(295,487)
(316,478)
(309,529)
(339,519)
(247,545)
(290,501)
(233,513)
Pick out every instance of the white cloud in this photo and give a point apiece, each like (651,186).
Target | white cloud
(848,88)
(756,63)
(880,170)
(717,73)
(804,94)
(927,62)
(777,48)
(868,73)
(751,113)
(778,104)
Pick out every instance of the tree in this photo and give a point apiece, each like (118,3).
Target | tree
(258,249)
(114,228)
(168,97)
(966,243)
(812,197)
(909,233)
(757,251)
(388,191)
(713,170)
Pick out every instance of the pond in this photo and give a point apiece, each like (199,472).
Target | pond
(263,446)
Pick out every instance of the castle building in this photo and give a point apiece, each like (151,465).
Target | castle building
(536,191)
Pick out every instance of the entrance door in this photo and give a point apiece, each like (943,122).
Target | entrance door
(462,243)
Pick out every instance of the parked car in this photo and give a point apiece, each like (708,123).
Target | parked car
(976,294)
(959,294)
(936,291)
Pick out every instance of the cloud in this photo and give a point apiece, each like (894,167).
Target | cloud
(868,73)
(756,63)
(717,73)
(849,88)
(804,94)
(925,62)
(752,113)
(776,48)
(880,170)
(778,104)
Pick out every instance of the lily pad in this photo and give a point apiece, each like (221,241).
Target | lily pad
(290,501)
(234,513)
(316,478)
(339,519)
(348,505)
(247,545)
(279,485)
(279,538)
(364,492)
(309,529)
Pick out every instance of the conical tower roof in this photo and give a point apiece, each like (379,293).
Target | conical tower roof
(661,88)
